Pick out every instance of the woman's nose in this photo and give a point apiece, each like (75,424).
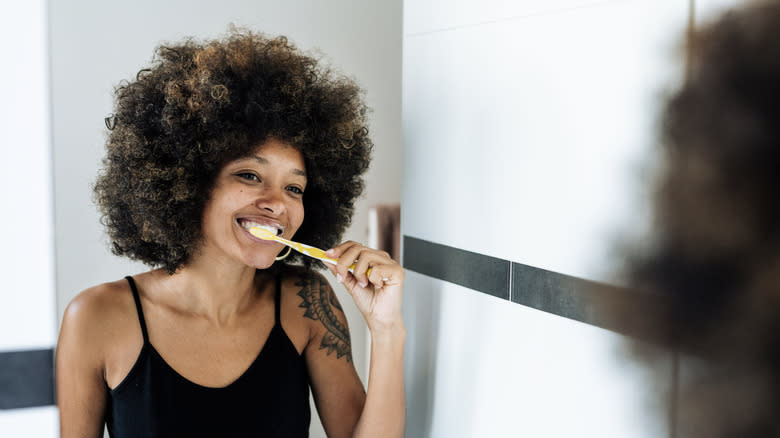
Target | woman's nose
(271,201)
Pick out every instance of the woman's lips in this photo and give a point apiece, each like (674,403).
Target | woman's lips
(275,228)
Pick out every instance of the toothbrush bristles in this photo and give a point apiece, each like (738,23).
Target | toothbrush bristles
(262,233)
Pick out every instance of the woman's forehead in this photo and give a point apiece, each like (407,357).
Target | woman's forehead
(278,153)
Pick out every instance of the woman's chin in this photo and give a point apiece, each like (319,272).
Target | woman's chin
(257,259)
(261,262)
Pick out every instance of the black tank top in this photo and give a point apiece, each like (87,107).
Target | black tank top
(271,398)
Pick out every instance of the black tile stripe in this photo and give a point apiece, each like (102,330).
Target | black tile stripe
(469,269)
(559,294)
(26,378)
(562,295)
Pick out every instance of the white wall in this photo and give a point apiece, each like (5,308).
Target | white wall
(479,366)
(543,117)
(95,44)
(525,125)
(27,301)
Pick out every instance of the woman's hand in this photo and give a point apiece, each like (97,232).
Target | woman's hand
(377,292)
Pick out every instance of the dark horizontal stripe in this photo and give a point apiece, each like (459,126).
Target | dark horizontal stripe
(26,378)
(486,274)
(559,294)
(563,295)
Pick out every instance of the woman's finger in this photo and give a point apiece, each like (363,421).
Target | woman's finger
(339,249)
(386,274)
(348,256)
(365,261)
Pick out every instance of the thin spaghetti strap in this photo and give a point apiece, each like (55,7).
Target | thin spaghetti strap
(137,299)
(278,300)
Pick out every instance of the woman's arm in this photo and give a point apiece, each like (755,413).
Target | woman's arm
(337,390)
(81,388)
(343,405)
(385,410)
(376,285)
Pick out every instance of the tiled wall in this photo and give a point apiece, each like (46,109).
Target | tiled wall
(498,348)
(558,294)
(528,131)
(527,126)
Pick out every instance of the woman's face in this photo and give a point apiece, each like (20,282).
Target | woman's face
(265,188)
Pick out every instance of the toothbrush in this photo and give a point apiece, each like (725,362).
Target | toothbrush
(311,251)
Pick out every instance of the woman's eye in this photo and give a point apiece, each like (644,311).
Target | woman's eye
(296,190)
(248,176)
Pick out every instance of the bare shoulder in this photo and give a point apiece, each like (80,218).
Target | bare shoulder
(99,304)
(322,311)
(99,314)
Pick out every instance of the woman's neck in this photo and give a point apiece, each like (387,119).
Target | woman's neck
(218,292)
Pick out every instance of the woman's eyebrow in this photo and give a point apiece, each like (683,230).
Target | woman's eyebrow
(262,160)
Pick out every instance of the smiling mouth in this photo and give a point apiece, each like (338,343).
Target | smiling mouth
(277,230)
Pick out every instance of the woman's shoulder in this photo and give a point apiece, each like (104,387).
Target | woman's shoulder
(99,300)
(99,310)
(101,331)
(306,296)
(305,284)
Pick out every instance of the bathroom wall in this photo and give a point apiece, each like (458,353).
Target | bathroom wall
(27,300)
(527,130)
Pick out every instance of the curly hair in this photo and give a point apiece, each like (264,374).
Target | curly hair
(714,267)
(201,105)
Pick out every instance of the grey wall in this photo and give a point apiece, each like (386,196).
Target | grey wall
(95,44)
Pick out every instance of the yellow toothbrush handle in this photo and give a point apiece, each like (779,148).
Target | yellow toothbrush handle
(311,251)
(315,252)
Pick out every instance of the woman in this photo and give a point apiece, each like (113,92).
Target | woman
(227,333)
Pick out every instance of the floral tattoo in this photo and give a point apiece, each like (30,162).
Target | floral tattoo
(321,304)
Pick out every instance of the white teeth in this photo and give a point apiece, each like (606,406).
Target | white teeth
(249,224)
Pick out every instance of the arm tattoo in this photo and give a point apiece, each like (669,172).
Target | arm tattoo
(319,300)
